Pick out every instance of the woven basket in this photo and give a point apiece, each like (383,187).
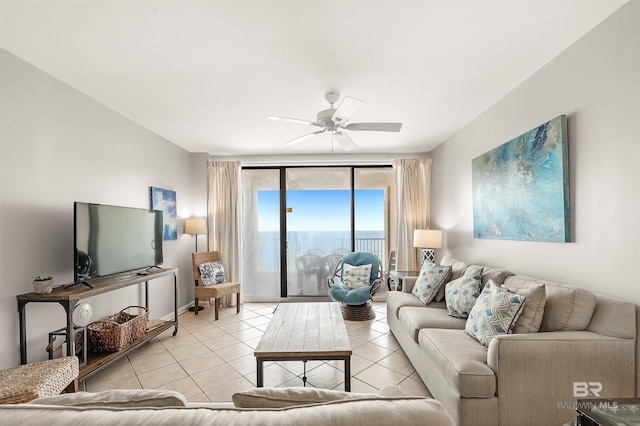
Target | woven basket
(115,332)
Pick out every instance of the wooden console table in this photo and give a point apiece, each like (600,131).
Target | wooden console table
(69,298)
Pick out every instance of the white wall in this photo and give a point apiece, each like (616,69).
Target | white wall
(595,82)
(59,146)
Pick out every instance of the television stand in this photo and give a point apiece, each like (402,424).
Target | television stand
(69,298)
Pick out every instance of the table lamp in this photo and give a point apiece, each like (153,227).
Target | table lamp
(195,226)
(427,240)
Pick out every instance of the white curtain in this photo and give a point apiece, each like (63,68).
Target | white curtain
(224,219)
(413,183)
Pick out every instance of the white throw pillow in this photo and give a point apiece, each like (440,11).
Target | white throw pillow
(211,273)
(354,277)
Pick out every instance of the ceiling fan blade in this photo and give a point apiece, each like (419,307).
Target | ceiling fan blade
(303,137)
(292,120)
(346,109)
(375,127)
(345,141)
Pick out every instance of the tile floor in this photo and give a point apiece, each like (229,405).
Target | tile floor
(211,360)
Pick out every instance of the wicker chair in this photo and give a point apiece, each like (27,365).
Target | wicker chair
(215,291)
(356,304)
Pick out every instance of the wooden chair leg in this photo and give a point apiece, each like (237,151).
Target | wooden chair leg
(217,306)
(73,386)
(237,302)
(196,306)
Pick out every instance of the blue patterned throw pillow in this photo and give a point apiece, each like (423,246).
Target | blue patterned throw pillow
(354,277)
(211,273)
(431,278)
(461,295)
(495,312)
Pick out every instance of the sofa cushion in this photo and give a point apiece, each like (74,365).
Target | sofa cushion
(117,398)
(431,278)
(533,310)
(495,312)
(415,319)
(461,295)
(289,397)
(457,270)
(412,411)
(498,276)
(358,296)
(566,308)
(461,360)
(398,299)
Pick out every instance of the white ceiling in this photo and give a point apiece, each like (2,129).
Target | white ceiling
(205,74)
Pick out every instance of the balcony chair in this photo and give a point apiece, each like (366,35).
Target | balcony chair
(390,267)
(218,287)
(354,285)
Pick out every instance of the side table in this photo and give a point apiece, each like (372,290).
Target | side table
(398,276)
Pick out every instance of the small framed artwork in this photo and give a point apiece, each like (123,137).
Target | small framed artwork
(165,200)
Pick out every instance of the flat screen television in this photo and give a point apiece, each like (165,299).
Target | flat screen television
(112,239)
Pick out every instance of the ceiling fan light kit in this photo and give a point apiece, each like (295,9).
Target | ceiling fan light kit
(336,120)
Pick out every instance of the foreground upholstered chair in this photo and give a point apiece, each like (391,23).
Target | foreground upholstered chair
(216,291)
(39,379)
(354,282)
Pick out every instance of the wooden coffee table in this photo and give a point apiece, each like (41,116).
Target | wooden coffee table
(302,332)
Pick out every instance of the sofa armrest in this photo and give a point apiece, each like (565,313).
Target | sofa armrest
(551,370)
(408,283)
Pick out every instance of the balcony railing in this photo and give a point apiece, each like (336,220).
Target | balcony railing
(326,248)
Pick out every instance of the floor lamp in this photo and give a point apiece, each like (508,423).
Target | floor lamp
(195,226)
(427,240)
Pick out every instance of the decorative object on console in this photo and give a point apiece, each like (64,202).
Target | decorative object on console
(165,200)
(521,188)
(427,240)
(115,332)
(42,285)
(57,347)
(82,315)
(195,226)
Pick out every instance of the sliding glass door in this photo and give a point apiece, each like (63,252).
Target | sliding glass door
(318,226)
(300,221)
(261,234)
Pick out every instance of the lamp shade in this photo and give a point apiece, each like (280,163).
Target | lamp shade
(427,238)
(195,226)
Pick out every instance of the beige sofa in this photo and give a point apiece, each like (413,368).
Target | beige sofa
(263,406)
(586,345)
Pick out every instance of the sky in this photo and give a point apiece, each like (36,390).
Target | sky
(322,210)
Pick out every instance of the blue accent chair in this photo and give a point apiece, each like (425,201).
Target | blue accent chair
(356,304)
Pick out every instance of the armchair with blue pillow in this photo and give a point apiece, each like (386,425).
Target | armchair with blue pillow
(354,282)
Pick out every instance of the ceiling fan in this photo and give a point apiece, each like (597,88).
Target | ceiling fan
(336,120)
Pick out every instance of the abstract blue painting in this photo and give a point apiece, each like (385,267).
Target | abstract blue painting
(521,188)
(165,200)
